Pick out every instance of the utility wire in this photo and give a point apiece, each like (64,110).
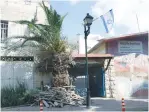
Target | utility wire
(138,22)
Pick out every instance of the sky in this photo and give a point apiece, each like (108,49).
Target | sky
(125,12)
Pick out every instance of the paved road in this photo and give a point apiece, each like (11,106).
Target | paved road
(98,104)
(104,104)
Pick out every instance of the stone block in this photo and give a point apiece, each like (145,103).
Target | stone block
(112,79)
(107,88)
(113,83)
(108,95)
(108,92)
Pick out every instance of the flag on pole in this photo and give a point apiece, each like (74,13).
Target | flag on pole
(108,20)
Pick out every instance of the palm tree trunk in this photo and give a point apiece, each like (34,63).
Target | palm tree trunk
(60,71)
(60,80)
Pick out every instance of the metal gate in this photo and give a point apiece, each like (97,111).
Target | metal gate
(97,83)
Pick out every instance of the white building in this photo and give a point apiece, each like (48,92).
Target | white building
(92,40)
(14,10)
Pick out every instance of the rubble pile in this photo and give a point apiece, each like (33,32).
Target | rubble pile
(58,97)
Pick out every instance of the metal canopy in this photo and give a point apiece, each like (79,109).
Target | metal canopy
(94,61)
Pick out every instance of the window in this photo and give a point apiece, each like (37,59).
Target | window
(4,30)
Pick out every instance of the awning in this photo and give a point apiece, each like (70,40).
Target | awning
(94,60)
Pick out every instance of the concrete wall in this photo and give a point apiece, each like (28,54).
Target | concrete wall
(135,88)
(131,75)
(38,77)
(132,65)
(12,71)
(127,76)
(24,72)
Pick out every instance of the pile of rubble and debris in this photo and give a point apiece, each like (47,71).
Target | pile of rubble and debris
(59,97)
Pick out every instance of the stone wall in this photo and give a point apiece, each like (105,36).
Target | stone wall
(110,80)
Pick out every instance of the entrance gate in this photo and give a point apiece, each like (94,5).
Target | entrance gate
(97,82)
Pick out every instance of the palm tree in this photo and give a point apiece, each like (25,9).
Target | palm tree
(47,39)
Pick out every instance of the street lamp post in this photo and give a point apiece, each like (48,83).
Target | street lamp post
(87,23)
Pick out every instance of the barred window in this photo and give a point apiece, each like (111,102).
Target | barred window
(16,58)
(4,30)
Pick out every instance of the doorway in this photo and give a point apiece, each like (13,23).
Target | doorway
(96,82)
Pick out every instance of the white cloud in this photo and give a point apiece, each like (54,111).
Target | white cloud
(74,2)
(111,33)
(125,13)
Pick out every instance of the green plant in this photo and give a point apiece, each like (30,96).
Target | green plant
(20,88)
(13,96)
(28,98)
(8,96)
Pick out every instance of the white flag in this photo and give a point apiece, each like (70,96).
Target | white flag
(108,20)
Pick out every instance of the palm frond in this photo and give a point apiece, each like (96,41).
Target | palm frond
(62,19)
(47,36)
(47,12)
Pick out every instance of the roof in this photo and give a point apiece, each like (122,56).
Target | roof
(93,56)
(126,36)
(134,35)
